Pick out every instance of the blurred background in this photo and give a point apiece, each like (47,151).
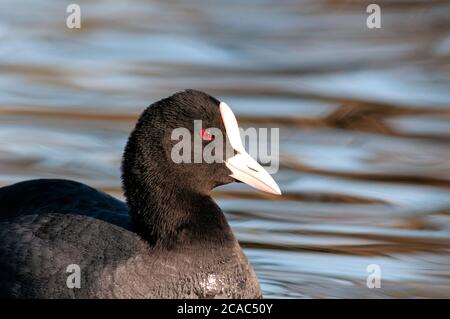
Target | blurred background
(364,118)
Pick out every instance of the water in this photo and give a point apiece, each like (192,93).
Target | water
(364,118)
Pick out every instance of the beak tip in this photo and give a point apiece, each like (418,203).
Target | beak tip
(277,191)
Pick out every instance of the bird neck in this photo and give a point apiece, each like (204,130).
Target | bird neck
(168,217)
(165,210)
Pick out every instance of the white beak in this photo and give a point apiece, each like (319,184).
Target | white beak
(243,167)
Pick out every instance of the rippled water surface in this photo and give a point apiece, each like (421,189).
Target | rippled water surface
(364,118)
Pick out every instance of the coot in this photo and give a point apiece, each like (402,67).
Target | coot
(169,240)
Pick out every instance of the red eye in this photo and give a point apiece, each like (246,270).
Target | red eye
(206,135)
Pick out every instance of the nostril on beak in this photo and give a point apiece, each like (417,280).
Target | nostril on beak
(251,168)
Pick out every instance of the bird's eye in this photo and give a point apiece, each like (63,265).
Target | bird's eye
(207,135)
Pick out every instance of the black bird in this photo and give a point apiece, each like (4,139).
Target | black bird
(64,239)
